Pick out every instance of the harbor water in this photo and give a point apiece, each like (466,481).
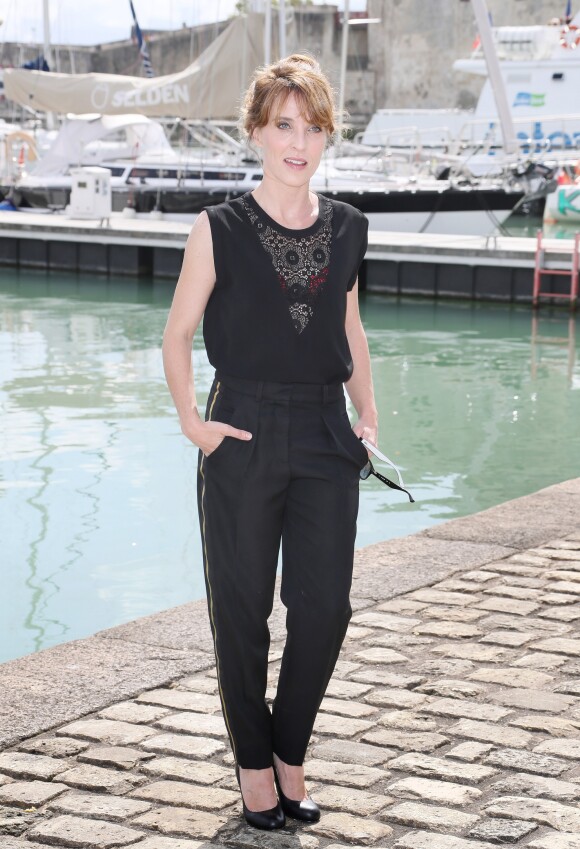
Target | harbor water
(478,402)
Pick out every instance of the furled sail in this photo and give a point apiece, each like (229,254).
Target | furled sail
(211,87)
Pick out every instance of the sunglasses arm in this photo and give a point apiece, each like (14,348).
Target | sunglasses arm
(393,485)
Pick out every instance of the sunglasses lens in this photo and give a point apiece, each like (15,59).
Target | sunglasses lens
(366,471)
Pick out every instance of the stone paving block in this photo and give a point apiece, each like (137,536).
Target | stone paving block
(558,646)
(507,605)
(452,614)
(170,843)
(439,792)
(526,678)
(572,687)
(358,830)
(556,725)
(119,757)
(488,733)
(200,683)
(564,575)
(442,597)
(23,765)
(556,841)
(459,630)
(186,770)
(336,772)
(502,831)
(14,821)
(513,639)
(388,621)
(247,837)
(559,599)
(56,747)
(540,660)
(372,675)
(180,744)
(458,585)
(20,843)
(194,723)
(544,627)
(89,777)
(395,697)
(185,795)
(565,587)
(350,800)
(527,761)
(524,784)
(481,576)
(133,712)
(424,840)
(74,832)
(402,604)
(452,688)
(381,655)
(409,720)
(397,641)
(408,741)
(521,593)
(328,723)
(350,752)
(182,822)
(338,688)
(544,811)
(435,767)
(474,651)
(566,614)
(538,700)
(465,709)
(181,700)
(416,815)
(97,805)
(469,752)
(568,748)
(348,708)
(30,794)
(107,731)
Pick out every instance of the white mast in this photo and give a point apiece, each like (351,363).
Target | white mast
(343,53)
(494,71)
(282,28)
(50,122)
(268,32)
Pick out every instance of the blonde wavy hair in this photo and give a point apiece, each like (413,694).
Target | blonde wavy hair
(297,74)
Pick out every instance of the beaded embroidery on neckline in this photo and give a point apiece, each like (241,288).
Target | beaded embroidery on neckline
(301,262)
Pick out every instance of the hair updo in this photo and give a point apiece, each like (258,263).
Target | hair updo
(297,74)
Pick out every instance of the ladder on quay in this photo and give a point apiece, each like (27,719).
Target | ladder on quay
(543,267)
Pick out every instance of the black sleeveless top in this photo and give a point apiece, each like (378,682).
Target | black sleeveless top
(278,307)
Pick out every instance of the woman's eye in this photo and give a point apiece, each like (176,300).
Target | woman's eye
(318,129)
(282,124)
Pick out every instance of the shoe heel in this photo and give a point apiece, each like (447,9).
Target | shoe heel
(267,820)
(303,809)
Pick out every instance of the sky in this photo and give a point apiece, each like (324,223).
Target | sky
(110,20)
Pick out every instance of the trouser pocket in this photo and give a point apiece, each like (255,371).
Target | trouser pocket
(345,439)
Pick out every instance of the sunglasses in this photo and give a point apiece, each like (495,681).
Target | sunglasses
(369,470)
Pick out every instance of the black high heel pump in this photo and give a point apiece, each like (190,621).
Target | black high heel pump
(302,809)
(269,819)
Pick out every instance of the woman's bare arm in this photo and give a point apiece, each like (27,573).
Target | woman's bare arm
(360,385)
(194,287)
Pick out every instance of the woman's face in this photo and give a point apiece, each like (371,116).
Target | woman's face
(291,147)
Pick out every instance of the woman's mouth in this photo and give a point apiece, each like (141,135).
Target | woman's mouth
(296,164)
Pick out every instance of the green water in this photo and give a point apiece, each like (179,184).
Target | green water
(98,511)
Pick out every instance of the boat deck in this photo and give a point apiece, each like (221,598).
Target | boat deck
(493,268)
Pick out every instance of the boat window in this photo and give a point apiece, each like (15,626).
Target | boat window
(115,170)
(256,176)
(558,76)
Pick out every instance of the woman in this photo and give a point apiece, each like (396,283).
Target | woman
(274,275)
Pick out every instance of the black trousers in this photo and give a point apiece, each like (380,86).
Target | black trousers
(295,482)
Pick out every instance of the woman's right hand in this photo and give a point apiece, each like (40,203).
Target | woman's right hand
(208,435)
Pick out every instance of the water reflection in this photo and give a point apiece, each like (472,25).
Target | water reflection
(479,403)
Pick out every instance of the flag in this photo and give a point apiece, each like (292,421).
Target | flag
(142,46)
(569,10)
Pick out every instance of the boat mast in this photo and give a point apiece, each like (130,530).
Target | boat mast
(50,122)
(282,28)
(508,132)
(343,53)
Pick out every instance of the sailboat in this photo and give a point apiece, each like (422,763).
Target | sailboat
(181,183)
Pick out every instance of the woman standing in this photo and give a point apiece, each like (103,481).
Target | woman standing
(274,275)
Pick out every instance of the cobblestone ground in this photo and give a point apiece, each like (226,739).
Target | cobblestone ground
(452,721)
